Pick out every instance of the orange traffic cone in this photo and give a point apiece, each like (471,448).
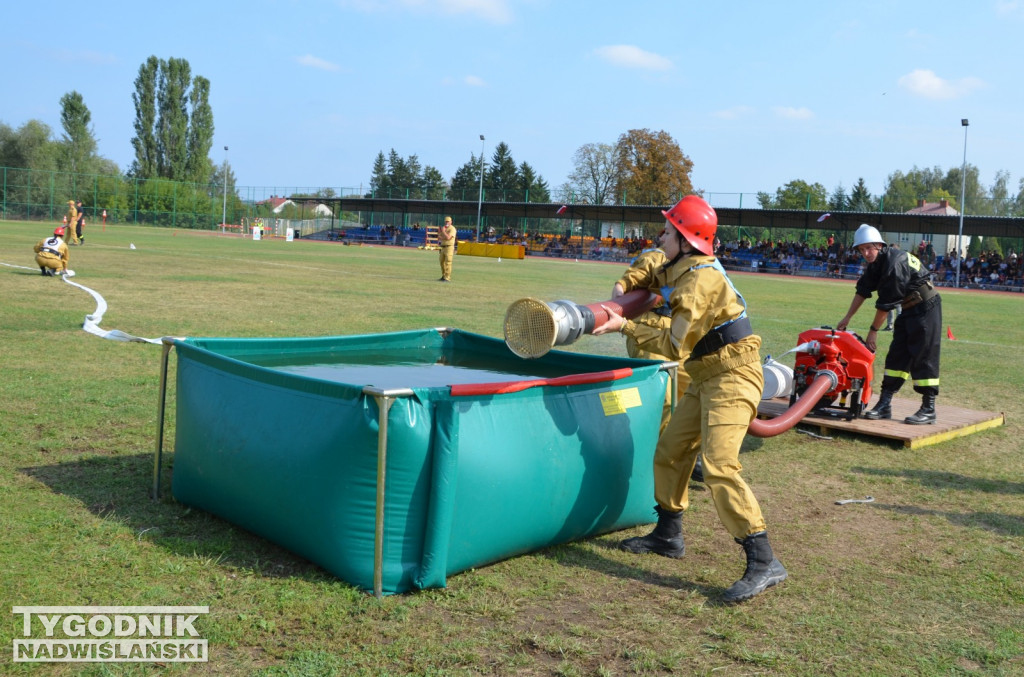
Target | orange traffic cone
(949,334)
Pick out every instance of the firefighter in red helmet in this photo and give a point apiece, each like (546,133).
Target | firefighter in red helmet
(711,335)
(641,273)
(52,254)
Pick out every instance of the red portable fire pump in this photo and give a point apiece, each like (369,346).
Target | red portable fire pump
(844,354)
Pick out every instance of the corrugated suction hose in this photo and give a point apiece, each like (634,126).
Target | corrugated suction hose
(822,383)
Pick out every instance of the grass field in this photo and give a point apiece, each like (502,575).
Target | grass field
(925,581)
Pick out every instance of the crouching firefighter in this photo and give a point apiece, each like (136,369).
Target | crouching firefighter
(711,333)
(901,281)
(52,254)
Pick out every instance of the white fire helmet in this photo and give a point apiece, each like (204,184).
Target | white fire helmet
(867,234)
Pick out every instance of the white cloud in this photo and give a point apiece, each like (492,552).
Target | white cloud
(630,56)
(493,11)
(733,113)
(467,80)
(1004,7)
(790,113)
(317,62)
(927,84)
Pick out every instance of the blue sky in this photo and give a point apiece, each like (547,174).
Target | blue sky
(757,94)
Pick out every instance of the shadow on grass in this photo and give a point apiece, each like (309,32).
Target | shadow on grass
(996,522)
(117,488)
(937,479)
(582,555)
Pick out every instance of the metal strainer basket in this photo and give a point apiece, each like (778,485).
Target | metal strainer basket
(533,327)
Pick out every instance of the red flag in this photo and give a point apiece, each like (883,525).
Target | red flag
(949,334)
(562,209)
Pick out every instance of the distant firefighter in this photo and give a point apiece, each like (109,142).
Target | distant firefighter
(52,254)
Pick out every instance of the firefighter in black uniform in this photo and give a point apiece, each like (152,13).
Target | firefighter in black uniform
(900,280)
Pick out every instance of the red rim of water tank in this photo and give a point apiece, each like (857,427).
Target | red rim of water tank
(501,388)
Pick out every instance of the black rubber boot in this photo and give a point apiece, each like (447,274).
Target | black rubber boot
(763,570)
(924,415)
(882,409)
(665,540)
(698,472)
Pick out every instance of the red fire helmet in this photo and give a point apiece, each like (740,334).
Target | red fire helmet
(696,220)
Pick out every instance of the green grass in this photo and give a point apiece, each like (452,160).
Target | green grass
(925,581)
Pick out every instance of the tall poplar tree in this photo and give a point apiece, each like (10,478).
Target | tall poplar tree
(172,118)
(198,166)
(79,144)
(144,141)
(173,122)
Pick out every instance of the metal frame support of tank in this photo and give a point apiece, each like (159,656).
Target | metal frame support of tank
(158,453)
(673,376)
(384,399)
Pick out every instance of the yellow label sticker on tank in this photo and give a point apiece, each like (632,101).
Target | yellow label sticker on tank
(618,401)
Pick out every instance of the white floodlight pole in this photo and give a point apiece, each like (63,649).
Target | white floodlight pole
(480,197)
(224,213)
(963,196)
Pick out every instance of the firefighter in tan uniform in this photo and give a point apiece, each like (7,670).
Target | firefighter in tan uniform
(711,333)
(642,274)
(72,216)
(52,254)
(446,240)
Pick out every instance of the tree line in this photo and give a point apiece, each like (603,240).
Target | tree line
(503,180)
(174,126)
(903,191)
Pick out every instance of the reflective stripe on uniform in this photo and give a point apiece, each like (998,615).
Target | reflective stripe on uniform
(717,265)
(897,374)
(927,382)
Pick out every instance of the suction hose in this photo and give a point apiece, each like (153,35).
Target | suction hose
(822,383)
(533,327)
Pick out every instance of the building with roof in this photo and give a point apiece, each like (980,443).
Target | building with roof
(943,244)
(277,205)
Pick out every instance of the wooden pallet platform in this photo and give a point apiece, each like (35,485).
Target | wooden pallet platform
(951,422)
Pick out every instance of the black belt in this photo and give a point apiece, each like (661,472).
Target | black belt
(50,251)
(922,293)
(721,337)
